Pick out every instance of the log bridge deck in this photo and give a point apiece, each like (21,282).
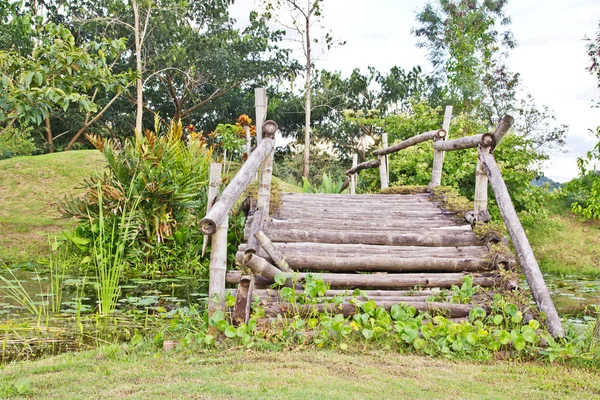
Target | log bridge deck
(386,244)
(394,248)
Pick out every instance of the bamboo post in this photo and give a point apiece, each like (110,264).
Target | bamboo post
(384,143)
(243,300)
(266,172)
(248,140)
(438,155)
(213,192)
(530,266)
(383,172)
(260,106)
(353,177)
(218,269)
(481,191)
(423,137)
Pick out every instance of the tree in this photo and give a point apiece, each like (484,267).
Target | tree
(464,44)
(56,74)
(305,20)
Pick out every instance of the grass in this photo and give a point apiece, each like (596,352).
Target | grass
(563,244)
(110,373)
(29,190)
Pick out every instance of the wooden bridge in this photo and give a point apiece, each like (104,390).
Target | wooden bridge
(396,248)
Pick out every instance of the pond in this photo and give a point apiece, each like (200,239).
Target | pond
(79,294)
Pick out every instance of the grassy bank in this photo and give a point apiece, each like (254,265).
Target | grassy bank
(563,244)
(111,373)
(29,190)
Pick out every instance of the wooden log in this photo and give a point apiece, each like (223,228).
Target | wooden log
(266,173)
(423,137)
(530,266)
(369,293)
(255,226)
(345,185)
(379,281)
(502,128)
(213,192)
(463,143)
(383,174)
(409,228)
(248,139)
(361,166)
(236,187)
(353,176)
(367,224)
(481,192)
(260,107)
(243,300)
(449,309)
(218,268)
(438,156)
(395,197)
(262,267)
(384,144)
(399,251)
(234,277)
(384,238)
(269,248)
(384,263)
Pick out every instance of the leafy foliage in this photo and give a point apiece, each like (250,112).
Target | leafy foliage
(328,185)
(17,142)
(168,175)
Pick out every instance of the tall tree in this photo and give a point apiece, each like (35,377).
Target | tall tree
(305,24)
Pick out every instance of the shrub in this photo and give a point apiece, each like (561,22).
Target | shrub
(16,142)
(169,177)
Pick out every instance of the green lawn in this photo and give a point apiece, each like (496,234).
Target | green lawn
(30,188)
(303,374)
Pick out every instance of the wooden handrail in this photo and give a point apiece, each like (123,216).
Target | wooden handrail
(527,259)
(240,182)
(423,137)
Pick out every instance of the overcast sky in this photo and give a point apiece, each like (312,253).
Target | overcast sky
(551,56)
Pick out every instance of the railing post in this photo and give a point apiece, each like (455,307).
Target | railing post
(260,105)
(218,253)
(213,192)
(384,175)
(353,177)
(266,173)
(438,155)
(384,143)
(481,194)
(248,140)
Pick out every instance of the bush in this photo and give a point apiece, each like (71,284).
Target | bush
(16,142)
(170,179)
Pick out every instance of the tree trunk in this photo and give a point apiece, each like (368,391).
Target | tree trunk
(138,66)
(307,105)
(49,135)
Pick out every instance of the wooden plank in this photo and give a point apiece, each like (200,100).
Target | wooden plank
(423,137)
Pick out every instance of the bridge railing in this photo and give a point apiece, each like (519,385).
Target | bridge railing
(487,171)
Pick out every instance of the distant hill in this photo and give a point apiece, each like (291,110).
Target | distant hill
(542,180)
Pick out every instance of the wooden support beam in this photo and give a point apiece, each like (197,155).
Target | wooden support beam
(438,155)
(361,166)
(270,249)
(248,140)
(255,226)
(213,192)
(530,266)
(353,177)
(384,144)
(502,128)
(237,186)
(423,137)
(260,107)
(243,300)
(383,174)
(218,268)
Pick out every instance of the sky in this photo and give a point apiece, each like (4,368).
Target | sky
(550,56)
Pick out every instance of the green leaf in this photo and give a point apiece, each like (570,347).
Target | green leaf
(367,333)
(519,343)
(504,337)
(222,325)
(472,338)
(534,324)
(230,332)
(280,279)
(498,319)
(369,306)
(529,334)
